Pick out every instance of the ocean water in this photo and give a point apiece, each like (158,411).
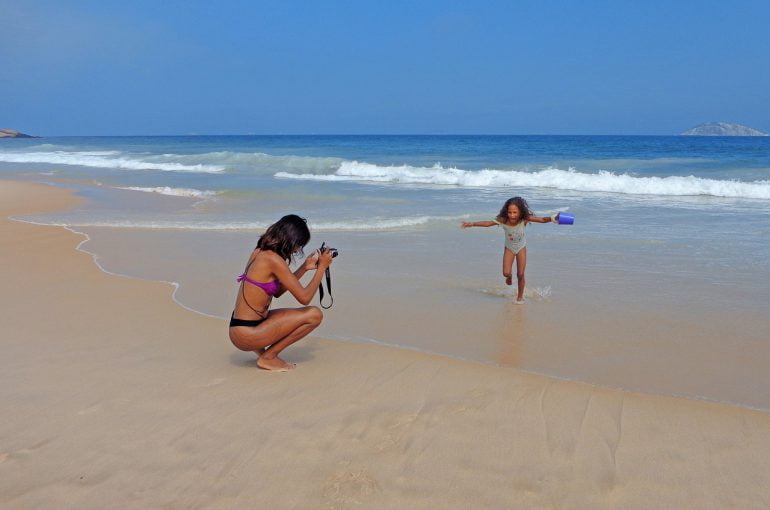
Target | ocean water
(661,284)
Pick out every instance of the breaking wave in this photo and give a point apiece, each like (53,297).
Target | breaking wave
(209,162)
(554,178)
(107,159)
(176,192)
(336,169)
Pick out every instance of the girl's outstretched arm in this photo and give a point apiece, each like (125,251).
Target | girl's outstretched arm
(466,224)
(541,219)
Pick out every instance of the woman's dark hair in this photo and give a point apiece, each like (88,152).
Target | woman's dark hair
(286,237)
(518,202)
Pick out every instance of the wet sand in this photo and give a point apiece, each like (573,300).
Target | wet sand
(586,318)
(114,396)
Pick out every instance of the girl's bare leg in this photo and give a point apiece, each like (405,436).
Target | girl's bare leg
(508,257)
(521,265)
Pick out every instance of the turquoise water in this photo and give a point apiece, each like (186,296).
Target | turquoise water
(654,187)
(664,272)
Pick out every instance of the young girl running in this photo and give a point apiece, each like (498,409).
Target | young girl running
(514,218)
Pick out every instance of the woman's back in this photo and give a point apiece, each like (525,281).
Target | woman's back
(258,286)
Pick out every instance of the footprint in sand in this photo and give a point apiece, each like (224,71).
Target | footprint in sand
(348,488)
(213,382)
(27,451)
(89,410)
(393,431)
(473,401)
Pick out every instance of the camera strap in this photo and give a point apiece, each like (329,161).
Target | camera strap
(328,288)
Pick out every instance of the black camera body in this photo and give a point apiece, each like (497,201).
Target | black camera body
(333,251)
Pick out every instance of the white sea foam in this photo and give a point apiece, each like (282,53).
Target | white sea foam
(176,192)
(256,161)
(335,169)
(372,224)
(209,162)
(107,159)
(510,292)
(554,178)
(382,223)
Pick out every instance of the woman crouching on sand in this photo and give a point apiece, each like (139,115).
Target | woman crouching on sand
(267,274)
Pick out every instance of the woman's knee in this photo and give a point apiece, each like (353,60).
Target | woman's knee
(314,315)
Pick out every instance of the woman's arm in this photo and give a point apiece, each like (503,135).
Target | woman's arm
(311,262)
(466,224)
(290,282)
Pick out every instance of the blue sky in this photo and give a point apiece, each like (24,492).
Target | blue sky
(237,67)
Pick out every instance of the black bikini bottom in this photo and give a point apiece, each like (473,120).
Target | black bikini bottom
(241,322)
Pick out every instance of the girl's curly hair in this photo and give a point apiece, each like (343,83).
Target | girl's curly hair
(518,202)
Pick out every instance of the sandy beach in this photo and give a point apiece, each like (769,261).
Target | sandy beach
(114,396)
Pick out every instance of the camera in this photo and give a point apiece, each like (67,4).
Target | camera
(333,251)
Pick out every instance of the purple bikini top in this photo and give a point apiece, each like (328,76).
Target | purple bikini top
(270,288)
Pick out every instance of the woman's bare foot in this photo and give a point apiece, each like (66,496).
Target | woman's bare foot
(275,364)
(509,280)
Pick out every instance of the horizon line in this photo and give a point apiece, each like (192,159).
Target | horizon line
(378,134)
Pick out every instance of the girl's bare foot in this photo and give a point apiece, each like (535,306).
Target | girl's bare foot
(520,301)
(509,280)
(275,364)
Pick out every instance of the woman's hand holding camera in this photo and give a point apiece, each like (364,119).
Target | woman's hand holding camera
(311,262)
(320,259)
(325,258)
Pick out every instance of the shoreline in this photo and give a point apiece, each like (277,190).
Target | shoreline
(360,339)
(601,325)
(650,350)
(153,415)
(95,258)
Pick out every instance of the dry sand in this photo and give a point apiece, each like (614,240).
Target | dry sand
(113,396)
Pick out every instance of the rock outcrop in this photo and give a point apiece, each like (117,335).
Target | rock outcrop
(722,129)
(12,133)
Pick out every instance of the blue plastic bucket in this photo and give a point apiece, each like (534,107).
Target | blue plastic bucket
(566,218)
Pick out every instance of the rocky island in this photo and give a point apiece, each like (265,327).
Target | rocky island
(12,133)
(722,129)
